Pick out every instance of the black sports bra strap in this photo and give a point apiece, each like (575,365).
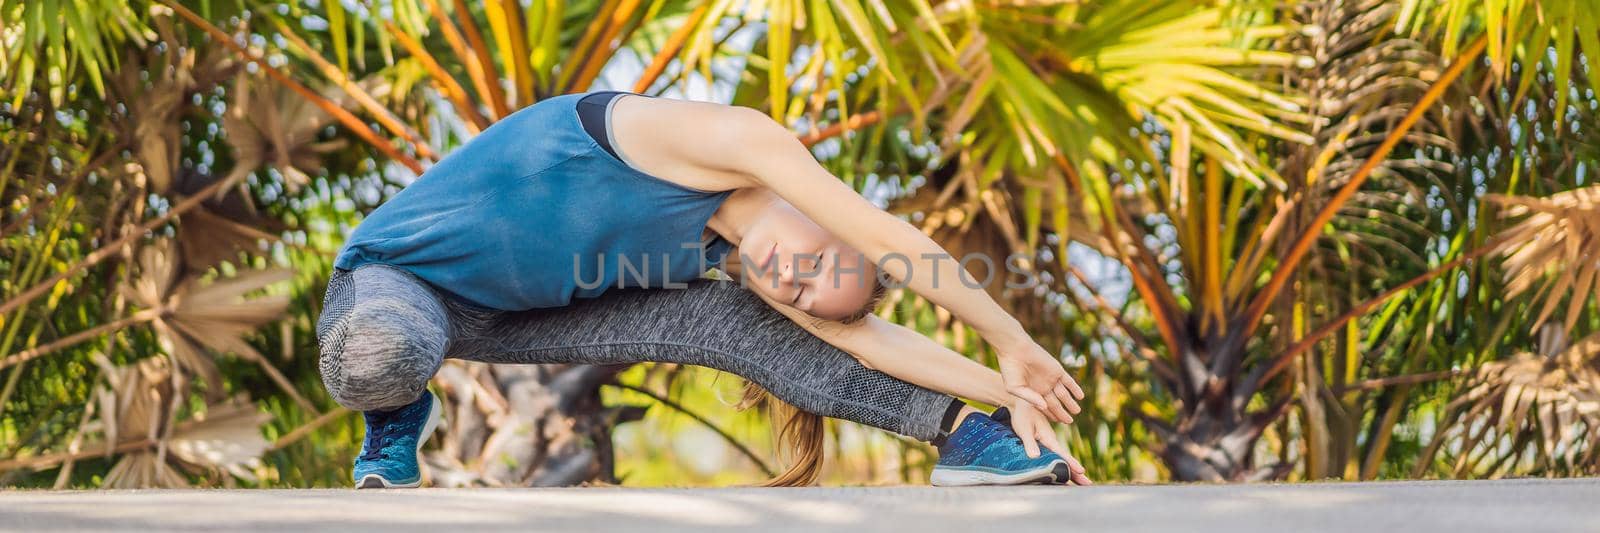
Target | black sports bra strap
(592,113)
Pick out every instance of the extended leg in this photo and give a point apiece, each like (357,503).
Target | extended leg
(715,324)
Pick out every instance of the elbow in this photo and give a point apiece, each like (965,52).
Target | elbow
(872,340)
(761,137)
(865,362)
(751,124)
(858,340)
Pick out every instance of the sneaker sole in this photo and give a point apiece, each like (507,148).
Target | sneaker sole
(375,481)
(1056,474)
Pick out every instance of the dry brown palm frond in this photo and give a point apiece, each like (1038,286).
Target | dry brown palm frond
(130,400)
(227,437)
(156,97)
(134,405)
(1551,402)
(199,316)
(155,126)
(1558,243)
(225,224)
(270,125)
(207,238)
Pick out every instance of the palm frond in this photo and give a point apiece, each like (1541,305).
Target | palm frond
(63,41)
(270,126)
(1543,404)
(1556,33)
(199,317)
(1554,249)
(134,406)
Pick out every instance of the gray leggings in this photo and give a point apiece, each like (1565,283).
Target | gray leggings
(385,332)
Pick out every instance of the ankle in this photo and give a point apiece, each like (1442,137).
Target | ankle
(965,411)
(960,415)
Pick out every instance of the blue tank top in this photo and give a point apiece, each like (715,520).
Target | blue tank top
(532,213)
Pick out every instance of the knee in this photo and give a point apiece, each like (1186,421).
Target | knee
(379,356)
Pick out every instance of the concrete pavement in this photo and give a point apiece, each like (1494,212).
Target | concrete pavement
(1412,507)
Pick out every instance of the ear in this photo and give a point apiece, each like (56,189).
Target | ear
(731,266)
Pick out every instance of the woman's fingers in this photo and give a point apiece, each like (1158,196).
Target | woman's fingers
(1079,476)
(1056,410)
(1044,435)
(1075,466)
(1048,405)
(1031,396)
(1060,412)
(1051,441)
(1029,445)
(1062,406)
(1025,423)
(1065,396)
(1077,472)
(1072,386)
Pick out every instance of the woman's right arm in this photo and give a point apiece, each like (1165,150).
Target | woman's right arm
(903,353)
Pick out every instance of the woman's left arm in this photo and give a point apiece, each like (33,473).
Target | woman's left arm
(779,161)
(909,356)
(914,358)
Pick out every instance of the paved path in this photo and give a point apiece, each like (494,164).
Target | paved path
(1411,507)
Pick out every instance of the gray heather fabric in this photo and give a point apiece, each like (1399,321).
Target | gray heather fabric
(385,332)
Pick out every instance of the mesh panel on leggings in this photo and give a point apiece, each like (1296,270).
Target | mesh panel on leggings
(874,391)
(336,305)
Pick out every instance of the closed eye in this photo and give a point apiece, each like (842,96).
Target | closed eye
(796,301)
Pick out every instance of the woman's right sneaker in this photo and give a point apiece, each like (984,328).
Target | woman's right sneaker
(983,450)
(389,453)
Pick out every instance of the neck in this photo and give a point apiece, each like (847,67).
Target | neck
(740,211)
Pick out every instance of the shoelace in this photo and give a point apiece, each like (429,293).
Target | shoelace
(379,434)
(998,426)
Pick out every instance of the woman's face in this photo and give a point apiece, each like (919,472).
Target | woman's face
(789,258)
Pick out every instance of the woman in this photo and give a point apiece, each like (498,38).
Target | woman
(536,241)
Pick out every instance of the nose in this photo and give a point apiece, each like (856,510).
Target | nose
(786,273)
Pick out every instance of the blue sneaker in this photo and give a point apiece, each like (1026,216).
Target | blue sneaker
(389,454)
(984,451)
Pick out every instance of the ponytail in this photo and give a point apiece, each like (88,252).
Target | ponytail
(800,431)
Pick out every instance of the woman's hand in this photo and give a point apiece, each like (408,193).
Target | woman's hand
(1034,430)
(1031,374)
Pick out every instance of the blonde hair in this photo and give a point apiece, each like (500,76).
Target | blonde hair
(801,432)
(879,290)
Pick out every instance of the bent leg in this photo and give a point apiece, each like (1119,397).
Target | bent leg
(715,324)
(383,334)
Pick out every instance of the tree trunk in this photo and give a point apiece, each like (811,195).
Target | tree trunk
(1213,437)
(1212,443)
(526,425)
